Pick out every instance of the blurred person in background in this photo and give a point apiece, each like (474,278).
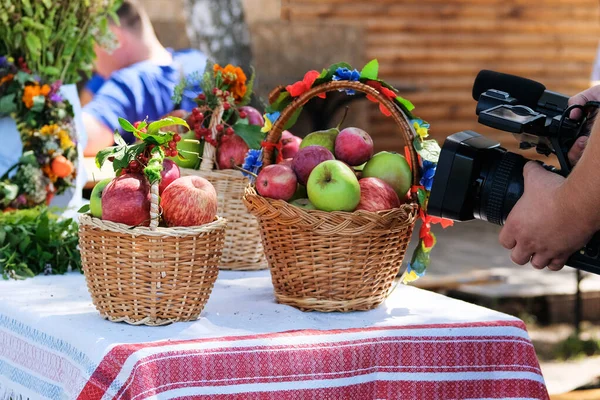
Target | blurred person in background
(139,78)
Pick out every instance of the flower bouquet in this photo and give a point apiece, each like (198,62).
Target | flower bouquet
(224,128)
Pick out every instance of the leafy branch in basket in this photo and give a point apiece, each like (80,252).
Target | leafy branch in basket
(35,241)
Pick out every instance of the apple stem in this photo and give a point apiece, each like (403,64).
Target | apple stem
(343,118)
(246,171)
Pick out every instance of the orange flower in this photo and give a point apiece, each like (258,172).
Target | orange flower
(6,78)
(47,170)
(234,78)
(32,91)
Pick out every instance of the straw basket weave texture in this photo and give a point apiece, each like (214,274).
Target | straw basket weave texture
(150,276)
(333,261)
(243,247)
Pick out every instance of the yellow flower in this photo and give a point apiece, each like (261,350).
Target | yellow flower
(268,125)
(32,91)
(421,130)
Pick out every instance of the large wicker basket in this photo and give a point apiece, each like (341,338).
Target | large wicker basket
(243,247)
(333,261)
(150,276)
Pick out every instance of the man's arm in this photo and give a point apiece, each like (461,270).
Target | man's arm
(556,216)
(99,135)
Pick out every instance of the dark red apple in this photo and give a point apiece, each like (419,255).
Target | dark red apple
(287,161)
(231,152)
(377,195)
(189,201)
(126,200)
(290,144)
(276,181)
(169,173)
(254,116)
(353,146)
(307,159)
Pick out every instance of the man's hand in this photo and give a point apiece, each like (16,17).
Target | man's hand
(543,226)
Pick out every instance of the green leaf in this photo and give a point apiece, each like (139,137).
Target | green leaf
(103,154)
(282,102)
(2,237)
(29,157)
(430,150)
(7,104)
(292,121)
(24,243)
(126,125)
(51,71)
(42,232)
(250,133)
(39,102)
(370,70)
(407,104)
(155,126)
(84,209)
(119,139)
(422,196)
(33,42)
(327,75)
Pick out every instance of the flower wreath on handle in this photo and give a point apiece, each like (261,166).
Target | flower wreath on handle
(427,150)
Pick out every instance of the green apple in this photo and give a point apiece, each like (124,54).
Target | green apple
(300,193)
(321,138)
(304,203)
(189,150)
(392,168)
(96,197)
(333,186)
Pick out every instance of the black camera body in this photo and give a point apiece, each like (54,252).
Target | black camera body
(478,179)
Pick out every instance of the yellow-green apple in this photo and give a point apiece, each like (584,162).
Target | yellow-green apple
(353,146)
(276,181)
(96,197)
(190,150)
(332,186)
(308,158)
(304,203)
(392,168)
(169,173)
(290,144)
(253,115)
(189,201)
(231,152)
(376,195)
(126,199)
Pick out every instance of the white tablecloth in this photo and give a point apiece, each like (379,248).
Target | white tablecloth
(52,340)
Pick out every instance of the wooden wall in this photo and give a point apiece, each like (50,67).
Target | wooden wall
(435,48)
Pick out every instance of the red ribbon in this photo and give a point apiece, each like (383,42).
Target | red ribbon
(274,146)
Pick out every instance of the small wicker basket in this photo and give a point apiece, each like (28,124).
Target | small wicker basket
(243,247)
(333,261)
(150,276)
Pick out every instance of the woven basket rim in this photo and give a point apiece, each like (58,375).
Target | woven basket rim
(179,231)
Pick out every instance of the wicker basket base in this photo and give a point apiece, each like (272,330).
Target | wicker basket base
(243,248)
(145,277)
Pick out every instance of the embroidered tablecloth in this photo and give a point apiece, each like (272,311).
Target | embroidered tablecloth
(416,345)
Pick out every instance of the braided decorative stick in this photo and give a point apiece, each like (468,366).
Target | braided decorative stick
(209,153)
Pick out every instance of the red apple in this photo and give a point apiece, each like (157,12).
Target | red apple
(353,146)
(307,159)
(276,181)
(126,199)
(253,115)
(189,201)
(377,195)
(169,173)
(290,144)
(231,152)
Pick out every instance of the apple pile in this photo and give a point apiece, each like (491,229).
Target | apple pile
(335,170)
(184,201)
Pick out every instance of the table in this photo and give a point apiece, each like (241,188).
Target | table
(95,174)
(416,345)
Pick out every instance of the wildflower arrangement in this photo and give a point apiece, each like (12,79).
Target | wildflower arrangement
(46,126)
(222,94)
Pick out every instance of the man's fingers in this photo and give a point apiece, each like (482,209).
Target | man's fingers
(539,261)
(557,264)
(506,239)
(520,256)
(577,149)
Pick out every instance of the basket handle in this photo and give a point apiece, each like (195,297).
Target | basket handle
(209,152)
(399,117)
(154,206)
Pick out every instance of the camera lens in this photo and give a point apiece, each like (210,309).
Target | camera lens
(500,185)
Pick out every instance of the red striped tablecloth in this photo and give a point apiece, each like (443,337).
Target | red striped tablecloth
(417,345)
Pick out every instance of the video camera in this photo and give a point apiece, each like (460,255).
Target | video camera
(478,179)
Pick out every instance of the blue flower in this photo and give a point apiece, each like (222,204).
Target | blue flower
(344,74)
(252,162)
(428,174)
(3,61)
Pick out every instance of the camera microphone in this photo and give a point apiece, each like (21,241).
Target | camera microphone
(526,91)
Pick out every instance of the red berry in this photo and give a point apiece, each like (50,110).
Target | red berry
(215,90)
(198,136)
(195,111)
(230,131)
(202,97)
(173,153)
(220,128)
(111,159)
(176,137)
(243,114)
(150,147)
(173,144)
(226,106)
